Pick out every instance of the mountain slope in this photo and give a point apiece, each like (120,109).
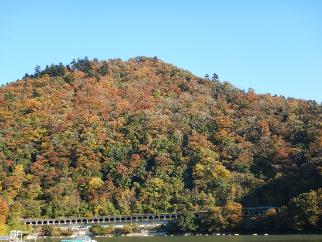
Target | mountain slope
(108,137)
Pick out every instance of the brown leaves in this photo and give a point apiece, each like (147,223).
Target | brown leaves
(4,210)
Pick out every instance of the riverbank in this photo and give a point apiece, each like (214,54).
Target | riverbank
(148,234)
(135,230)
(209,238)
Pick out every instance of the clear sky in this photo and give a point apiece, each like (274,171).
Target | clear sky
(272,46)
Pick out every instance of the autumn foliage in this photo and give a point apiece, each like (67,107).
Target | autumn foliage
(118,137)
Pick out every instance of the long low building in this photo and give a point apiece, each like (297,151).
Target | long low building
(105,219)
(248,211)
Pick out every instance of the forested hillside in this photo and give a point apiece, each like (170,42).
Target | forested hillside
(119,137)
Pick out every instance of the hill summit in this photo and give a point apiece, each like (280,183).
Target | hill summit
(120,137)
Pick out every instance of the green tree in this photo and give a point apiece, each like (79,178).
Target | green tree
(233,214)
(187,222)
(96,230)
(305,210)
(104,69)
(214,77)
(47,230)
(131,228)
(214,221)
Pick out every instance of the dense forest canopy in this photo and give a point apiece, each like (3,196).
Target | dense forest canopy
(119,137)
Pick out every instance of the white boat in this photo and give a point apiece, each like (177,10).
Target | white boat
(81,238)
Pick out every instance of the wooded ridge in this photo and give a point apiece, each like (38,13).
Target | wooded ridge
(97,138)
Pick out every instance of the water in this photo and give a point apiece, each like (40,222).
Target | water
(240,238)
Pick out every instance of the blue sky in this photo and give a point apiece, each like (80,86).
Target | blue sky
(272,46)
